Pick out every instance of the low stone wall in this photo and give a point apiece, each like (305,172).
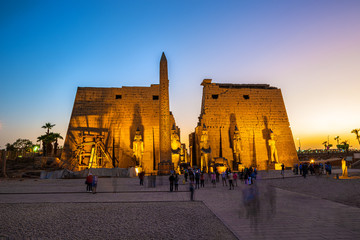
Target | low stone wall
(101,172)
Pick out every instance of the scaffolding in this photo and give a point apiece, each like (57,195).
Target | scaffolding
(91,153)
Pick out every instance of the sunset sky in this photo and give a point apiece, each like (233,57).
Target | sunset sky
(309,49)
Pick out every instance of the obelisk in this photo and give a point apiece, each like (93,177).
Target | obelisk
(165,137)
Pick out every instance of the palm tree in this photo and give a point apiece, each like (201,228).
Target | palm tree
(337,138)
(43,139)
(345,145)
(48,126)
(56,136)
(356,132)
(47,141)
(325,144)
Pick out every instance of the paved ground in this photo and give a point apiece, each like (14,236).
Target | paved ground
(297,208)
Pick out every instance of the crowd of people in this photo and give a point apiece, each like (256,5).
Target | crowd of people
(196,178)
(314,169)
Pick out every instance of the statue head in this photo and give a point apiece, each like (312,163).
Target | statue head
(137,135)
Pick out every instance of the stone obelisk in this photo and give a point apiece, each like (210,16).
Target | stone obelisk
(165,137)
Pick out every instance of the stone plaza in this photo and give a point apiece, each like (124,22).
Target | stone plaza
(316,207)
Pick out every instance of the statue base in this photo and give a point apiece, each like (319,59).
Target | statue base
(278,166)
(165,168)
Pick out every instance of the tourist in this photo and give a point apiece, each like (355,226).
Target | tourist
(241,175)
(141,177)
(223,178)
(94,183)
(296,168)
(171,179)
(217,175)
(231,178)
(192,187)
(197,179)
(252,177)
(202,179)
(89,180)
(283,170)
(304,170)
(246,175)
(301,169)
(176,182)
(186,175)
(235,176)
(213,179)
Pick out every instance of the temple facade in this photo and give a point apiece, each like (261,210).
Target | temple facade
(242,125)
(121,127)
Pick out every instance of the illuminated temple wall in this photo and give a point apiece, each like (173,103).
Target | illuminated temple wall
(255,109)
(116,113)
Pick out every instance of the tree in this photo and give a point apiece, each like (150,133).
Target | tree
(20,144)
(337,138)
(56,136)
(325,144)
(48,126)
(47,141)
(356,132)
(10,147)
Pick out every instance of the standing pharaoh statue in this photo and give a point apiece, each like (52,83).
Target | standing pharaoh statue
(175,148)
(138,148)
(273,151)
(237,146)
(344,168)
(204,148)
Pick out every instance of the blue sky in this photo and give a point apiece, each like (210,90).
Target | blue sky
(309,49)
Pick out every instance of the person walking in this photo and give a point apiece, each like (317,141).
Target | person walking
(171,179)
(197,179)
(94,183)
(89,180)
(231,178)
(186,175)
(202,179)
(235,176)
(223,178)
(217,175)
(283,170)
(176,182)
(192,187)
(213,179)
(304,170)
(141,177)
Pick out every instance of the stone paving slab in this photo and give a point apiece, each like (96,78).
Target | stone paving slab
(145,220)
(275,213)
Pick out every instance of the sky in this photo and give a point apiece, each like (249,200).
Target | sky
(308,49)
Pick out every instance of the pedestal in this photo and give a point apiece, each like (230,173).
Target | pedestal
(278,166)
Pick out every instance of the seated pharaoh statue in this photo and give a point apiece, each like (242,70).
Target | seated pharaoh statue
(138,148)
